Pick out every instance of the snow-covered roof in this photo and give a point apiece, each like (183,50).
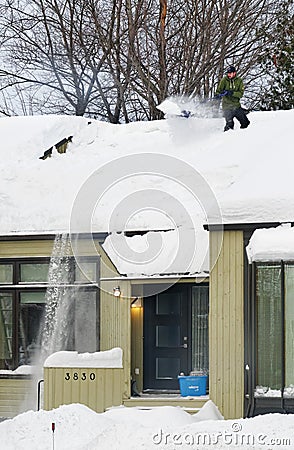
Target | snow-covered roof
(262,190)
(272,244)
(166,178)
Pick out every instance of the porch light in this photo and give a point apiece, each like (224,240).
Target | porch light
(137,302)
(116,291)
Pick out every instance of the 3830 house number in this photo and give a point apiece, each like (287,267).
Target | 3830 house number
(80,376)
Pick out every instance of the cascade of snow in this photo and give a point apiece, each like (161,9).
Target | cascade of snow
(55,332)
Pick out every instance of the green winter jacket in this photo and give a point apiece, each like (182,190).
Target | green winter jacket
(236,85)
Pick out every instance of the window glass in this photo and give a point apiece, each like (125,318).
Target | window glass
(167,368)
(168,336)
(6,324)
(168,303)
(34,273)
(32,297)
(6,273)
(269,327)
(86,272)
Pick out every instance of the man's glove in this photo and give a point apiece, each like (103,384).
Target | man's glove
(185,113)
(228,93)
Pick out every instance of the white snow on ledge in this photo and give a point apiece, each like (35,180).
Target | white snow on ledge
(21,370)
(158,253)
(271,244)
(107,359)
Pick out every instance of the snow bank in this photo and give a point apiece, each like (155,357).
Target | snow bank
(107,359)
(79,428)
(167,416)
(21,370)
(209,411)
(272,244)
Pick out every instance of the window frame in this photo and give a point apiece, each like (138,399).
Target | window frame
(282,264)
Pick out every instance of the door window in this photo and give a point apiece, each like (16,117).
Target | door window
(168,336)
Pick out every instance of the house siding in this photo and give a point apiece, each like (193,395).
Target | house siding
(226,323)
(137,346)
(13,396)
(115,317)
(97,388)
(27,249)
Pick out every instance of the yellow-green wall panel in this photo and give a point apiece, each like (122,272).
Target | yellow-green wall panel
(226,323)
(97,388)
(19,249)
(137,346)
(13,393)
(115,316)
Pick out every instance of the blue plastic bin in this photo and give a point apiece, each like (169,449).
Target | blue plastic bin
(192,385)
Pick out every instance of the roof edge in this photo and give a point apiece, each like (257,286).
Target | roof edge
(243,226)
(50,237)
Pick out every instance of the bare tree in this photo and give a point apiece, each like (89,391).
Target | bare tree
(117,60)
(54,48)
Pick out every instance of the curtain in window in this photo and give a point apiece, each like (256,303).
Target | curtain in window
(31,311)
(269,326)
(200,328)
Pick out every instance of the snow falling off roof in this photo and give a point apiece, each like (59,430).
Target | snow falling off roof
(272,244)
(107,359)
(159,253)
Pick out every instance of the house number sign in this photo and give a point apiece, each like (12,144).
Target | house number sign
(84,376)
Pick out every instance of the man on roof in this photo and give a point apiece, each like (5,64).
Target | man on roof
(231,90)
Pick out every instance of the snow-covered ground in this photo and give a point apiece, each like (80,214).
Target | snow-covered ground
(79,428)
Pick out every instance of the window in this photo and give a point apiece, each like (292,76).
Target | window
(31,312)
(34,272)
(274,287)
(6,322)
(24,294)
(86,272)
(6,274)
